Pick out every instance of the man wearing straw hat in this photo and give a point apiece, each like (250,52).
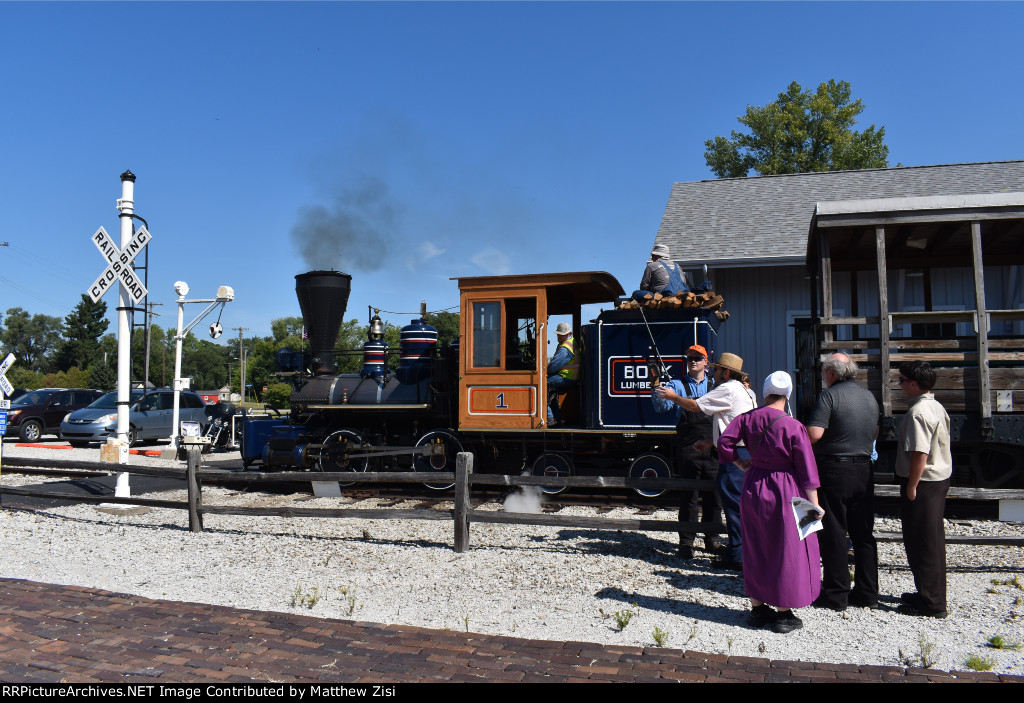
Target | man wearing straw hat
(729,399)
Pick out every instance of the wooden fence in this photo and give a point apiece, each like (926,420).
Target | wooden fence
(462,514)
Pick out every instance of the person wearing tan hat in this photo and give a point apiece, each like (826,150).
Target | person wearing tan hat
(691,427)
(563,371)
(729,399)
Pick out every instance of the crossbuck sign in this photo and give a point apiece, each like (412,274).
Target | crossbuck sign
(119,264)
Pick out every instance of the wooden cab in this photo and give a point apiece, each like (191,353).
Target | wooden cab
(503,354)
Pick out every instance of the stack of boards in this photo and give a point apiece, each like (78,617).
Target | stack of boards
(709,300)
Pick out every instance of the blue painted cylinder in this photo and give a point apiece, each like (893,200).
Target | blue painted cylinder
(419,341)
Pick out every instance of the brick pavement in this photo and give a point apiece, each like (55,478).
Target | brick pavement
(51,633)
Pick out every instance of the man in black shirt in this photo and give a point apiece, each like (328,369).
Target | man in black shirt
(843,428)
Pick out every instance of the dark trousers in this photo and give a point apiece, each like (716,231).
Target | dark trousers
(702,466)
(847,494)
(924,538)
(730,487)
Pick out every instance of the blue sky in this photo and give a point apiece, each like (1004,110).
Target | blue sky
(455,139)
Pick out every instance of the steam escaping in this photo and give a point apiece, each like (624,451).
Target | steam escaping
(355,233)
(526,500)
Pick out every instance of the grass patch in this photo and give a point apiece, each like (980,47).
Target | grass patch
(979,663)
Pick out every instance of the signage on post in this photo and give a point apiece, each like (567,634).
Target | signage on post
(5,404)
(119,265)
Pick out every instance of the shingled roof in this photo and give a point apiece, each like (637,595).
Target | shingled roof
(765,219)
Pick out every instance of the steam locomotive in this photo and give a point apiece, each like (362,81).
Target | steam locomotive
(486,392)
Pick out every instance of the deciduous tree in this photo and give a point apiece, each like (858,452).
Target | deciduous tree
(801,132)
(32,339)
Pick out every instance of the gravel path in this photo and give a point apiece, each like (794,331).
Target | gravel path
(535,582)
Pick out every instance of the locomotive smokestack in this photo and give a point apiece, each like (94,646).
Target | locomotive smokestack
(323,298)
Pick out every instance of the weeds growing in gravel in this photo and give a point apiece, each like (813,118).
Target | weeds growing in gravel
(349,592)
(660,637)
(622,617)
(979,663)
(925,656)
(465,620)
(305,599)
(1015,582)
(1000,642)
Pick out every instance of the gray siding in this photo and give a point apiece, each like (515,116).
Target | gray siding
(759,301)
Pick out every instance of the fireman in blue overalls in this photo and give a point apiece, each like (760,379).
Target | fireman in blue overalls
(563,371)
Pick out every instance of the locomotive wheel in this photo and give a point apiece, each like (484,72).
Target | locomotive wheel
(445,462)
(650,466)
(551,464)
(329,462)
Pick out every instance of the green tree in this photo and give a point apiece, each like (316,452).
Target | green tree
(83,328)
(801,132)
(32,339)
(204,362)
(447,326)
(102,376)
(284,327)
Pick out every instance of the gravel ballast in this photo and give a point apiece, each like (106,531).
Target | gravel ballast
(528,581)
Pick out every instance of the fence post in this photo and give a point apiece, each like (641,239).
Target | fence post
(195,495)
(463,468)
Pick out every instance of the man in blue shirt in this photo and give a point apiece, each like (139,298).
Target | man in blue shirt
(692,427)
(563,371)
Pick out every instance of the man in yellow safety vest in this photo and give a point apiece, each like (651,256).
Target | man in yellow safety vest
(563,370)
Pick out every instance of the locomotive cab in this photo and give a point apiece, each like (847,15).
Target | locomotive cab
(504,354)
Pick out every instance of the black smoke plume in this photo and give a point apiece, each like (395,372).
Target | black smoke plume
(355,233)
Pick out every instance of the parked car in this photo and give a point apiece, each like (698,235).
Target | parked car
(39,412)
(150,417)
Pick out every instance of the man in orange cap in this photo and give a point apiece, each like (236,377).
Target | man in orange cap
(728,399)
(692,427)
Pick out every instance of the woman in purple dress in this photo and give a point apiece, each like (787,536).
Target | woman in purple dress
(779,568)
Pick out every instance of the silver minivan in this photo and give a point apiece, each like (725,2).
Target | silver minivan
(150,417)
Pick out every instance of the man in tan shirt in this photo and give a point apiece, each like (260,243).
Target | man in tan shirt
(924,465)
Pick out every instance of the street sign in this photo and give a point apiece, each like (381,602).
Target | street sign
(119,266)
(4,383)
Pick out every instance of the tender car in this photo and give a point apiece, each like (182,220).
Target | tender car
(150,417)
(39,412)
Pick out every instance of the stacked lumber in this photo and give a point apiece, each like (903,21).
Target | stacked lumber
(709,300)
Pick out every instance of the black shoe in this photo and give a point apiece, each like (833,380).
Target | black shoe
(762,616)
(864,603)
(714,546)
(919,611)
(685,553)
(911,598)
(727,564)
(820,602)
(786,622)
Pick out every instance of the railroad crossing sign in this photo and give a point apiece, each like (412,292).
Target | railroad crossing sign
(119,266)
(4,383)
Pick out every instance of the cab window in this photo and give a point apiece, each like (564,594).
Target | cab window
(487,335)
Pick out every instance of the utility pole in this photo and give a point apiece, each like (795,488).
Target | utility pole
(149,321)
(241,363)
